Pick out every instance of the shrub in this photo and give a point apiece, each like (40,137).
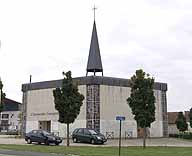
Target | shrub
(187,135)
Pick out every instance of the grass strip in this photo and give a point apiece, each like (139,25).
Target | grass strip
(103,151)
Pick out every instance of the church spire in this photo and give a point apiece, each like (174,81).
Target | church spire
(94,63)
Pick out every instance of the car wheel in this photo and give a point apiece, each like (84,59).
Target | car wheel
(74,140)
(47,142)
(57,143)
(39,143)
(29,141)
(92,141)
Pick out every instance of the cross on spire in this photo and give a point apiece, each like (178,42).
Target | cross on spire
(94,8)
(94,63)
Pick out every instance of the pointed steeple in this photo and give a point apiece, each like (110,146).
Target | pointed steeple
(94,63)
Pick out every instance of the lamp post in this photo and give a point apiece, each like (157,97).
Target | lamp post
(0,98)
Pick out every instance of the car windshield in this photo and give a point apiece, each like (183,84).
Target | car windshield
(93,132)
(46,133)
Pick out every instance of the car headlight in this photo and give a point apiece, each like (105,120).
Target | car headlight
(99,138)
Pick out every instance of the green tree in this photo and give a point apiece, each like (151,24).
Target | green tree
(181,122)
(2,96)
(68,101)
(190,117)
(142,100)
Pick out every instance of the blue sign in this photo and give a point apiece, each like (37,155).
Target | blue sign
(120,118)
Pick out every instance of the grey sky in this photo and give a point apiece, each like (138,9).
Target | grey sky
(46,37)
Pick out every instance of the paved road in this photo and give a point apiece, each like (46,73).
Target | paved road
(24,153)
(127,142)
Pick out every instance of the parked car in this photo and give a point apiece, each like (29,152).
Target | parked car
(41,136)
(88,135)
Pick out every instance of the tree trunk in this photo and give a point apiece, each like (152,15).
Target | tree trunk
(67,134)
(144,138)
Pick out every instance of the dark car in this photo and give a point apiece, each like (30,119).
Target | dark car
(88,135)
(41,136)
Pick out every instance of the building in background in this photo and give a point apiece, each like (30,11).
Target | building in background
(10,116)
(172,117)
(105,98)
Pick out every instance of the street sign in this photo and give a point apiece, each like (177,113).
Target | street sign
(120,118)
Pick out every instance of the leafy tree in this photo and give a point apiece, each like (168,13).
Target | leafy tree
(190,117)
(181,122)
(68,101)
(142,100)
(2,96)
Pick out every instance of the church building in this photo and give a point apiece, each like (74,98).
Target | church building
(105,98)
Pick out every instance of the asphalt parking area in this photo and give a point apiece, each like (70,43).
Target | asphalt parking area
(115,142)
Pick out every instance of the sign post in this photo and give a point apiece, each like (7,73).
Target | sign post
(120,118)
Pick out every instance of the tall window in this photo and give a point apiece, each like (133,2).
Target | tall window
(93,107)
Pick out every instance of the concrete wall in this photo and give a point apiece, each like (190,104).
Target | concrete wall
(41,107)
(156,129)
(113,103)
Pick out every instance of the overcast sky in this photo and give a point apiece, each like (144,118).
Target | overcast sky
(45,37)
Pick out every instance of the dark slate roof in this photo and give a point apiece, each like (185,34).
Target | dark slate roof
(11,105)
(94,63)
(100,80)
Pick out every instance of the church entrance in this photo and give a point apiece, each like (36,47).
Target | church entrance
(45,125)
